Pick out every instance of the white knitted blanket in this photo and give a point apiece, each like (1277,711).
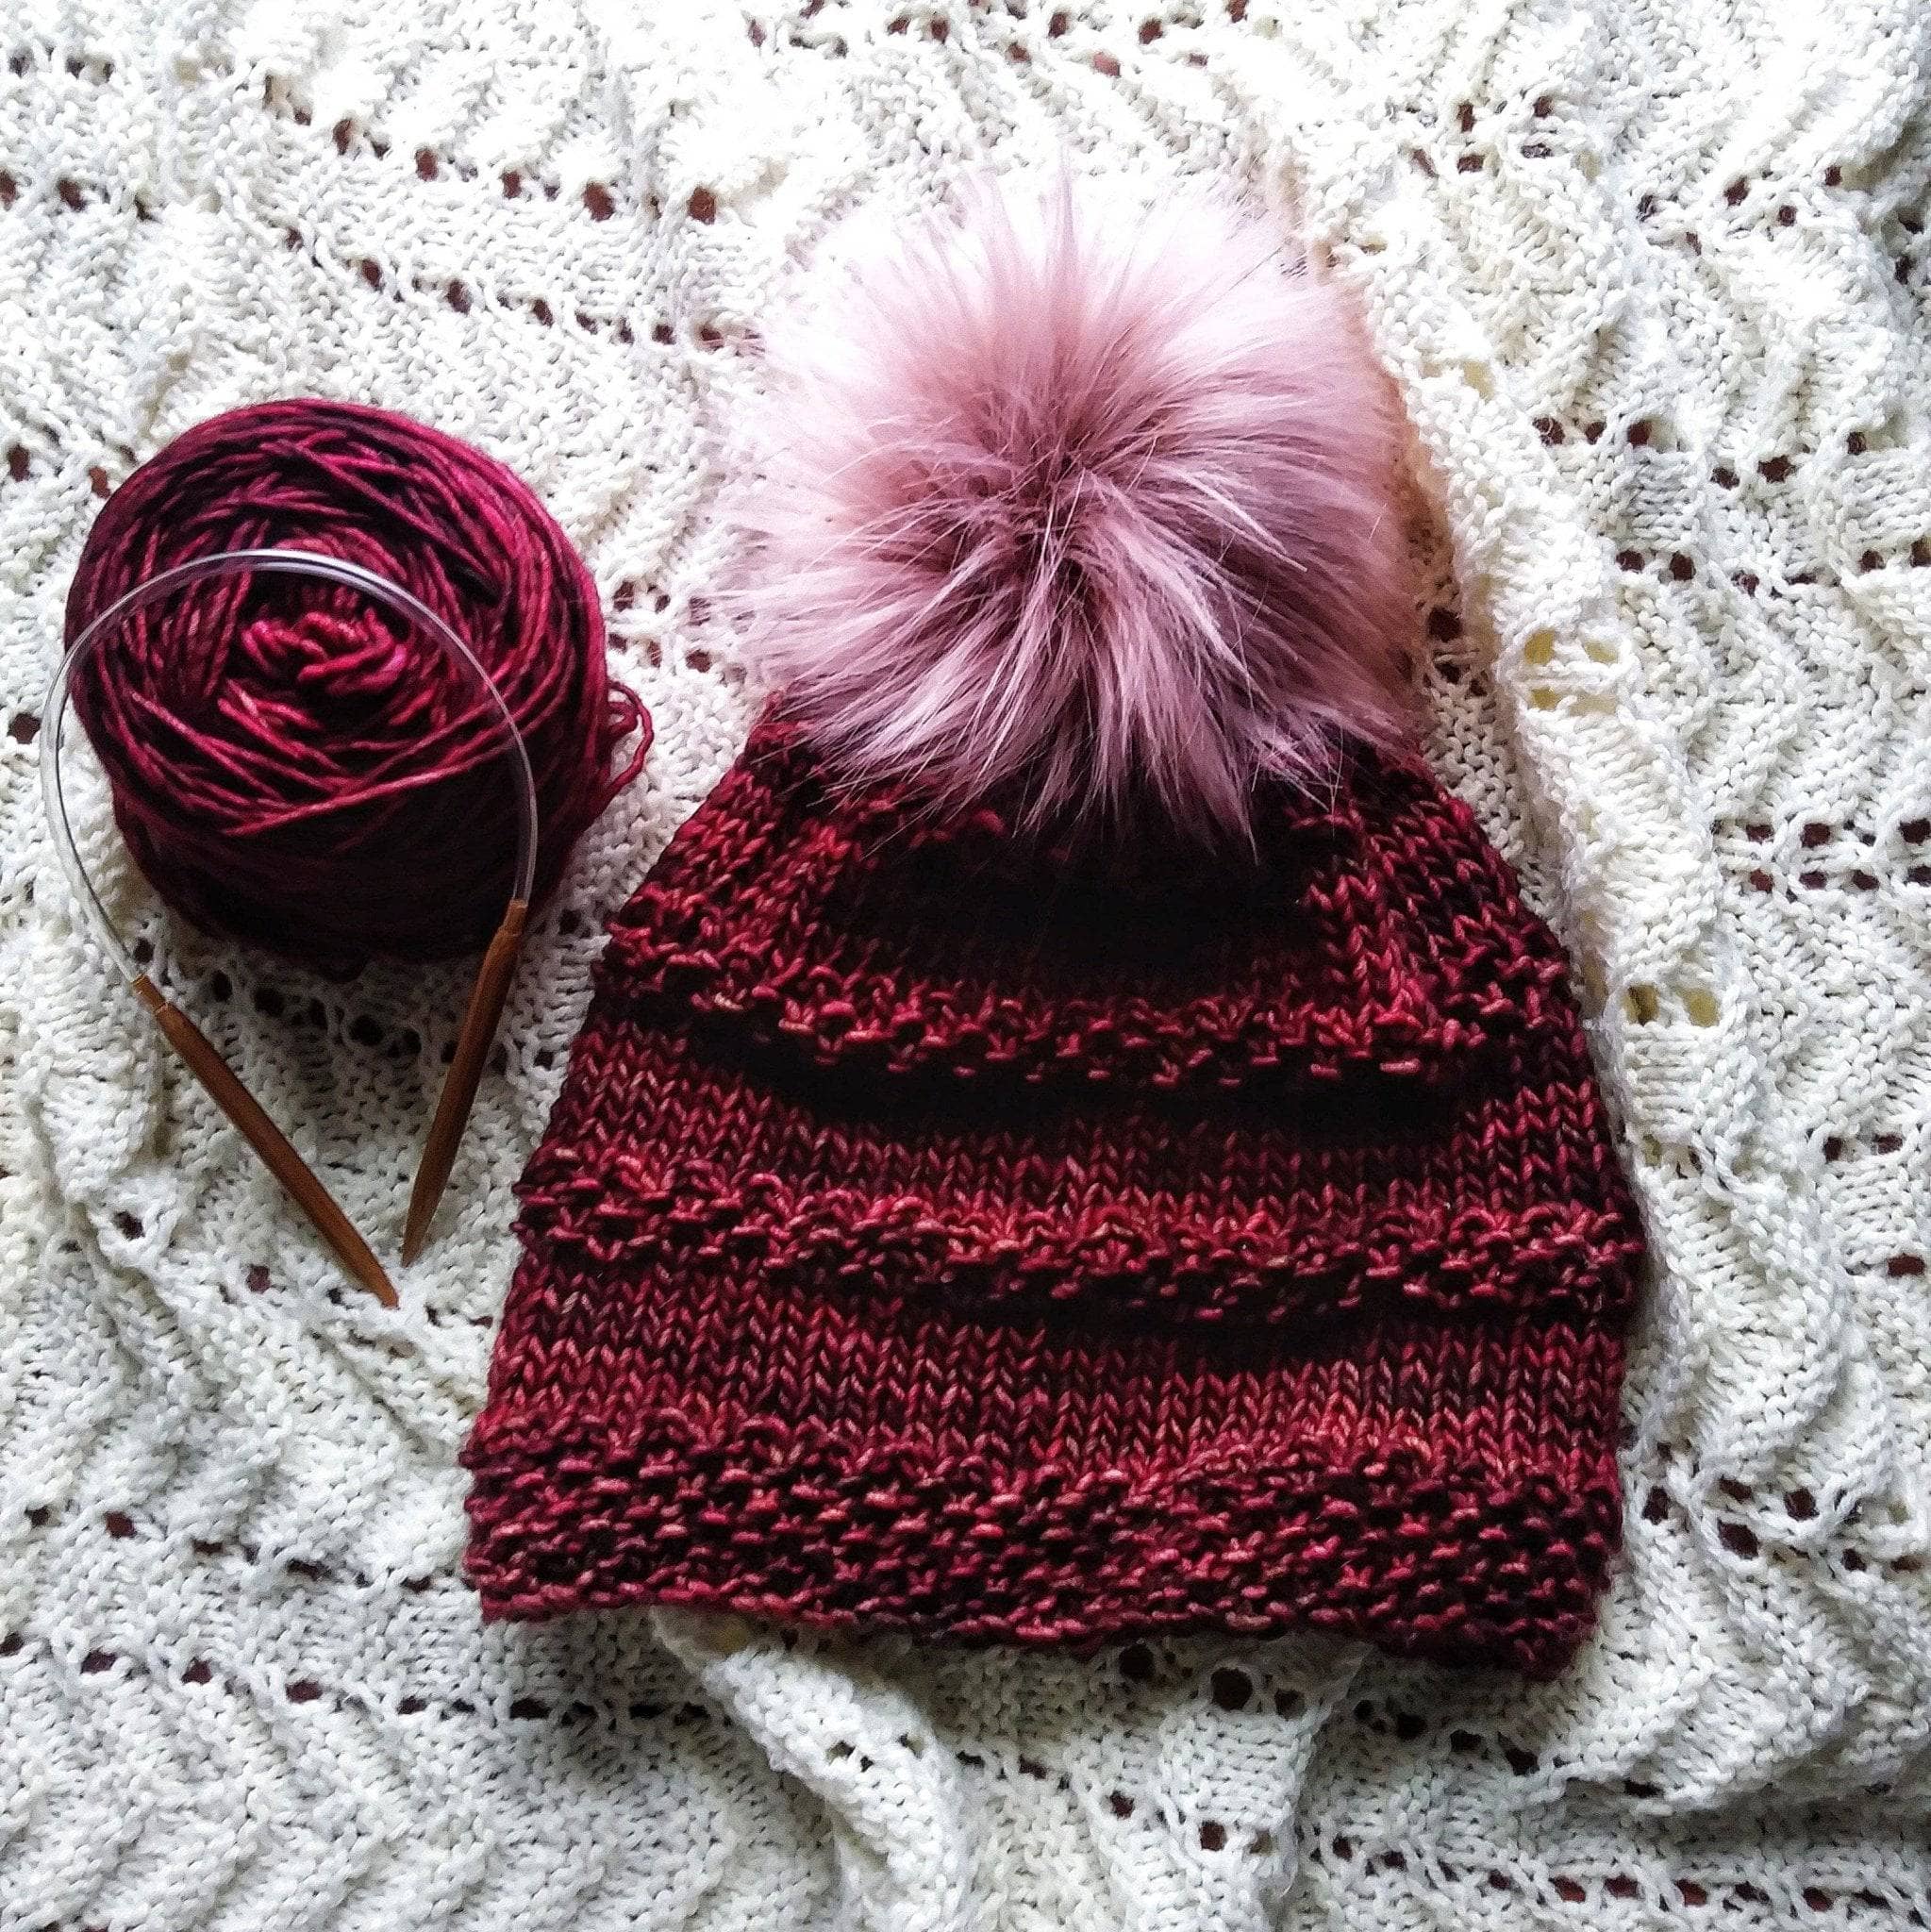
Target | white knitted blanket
(1653,276)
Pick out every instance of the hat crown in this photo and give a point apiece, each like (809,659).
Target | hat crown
(1373,936)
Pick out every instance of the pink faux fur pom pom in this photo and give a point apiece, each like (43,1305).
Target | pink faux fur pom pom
(1081,509)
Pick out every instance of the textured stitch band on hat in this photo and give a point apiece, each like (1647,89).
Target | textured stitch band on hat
(1029,1281)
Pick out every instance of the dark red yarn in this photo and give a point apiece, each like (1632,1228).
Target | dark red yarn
(291,763)
(935,1235)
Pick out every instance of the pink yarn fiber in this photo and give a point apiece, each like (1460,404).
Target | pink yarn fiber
(293,763)
(1083,509)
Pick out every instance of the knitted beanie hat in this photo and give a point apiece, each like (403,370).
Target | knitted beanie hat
(994,1200)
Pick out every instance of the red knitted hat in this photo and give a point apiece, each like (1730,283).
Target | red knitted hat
(932,1235)
(1056,1236)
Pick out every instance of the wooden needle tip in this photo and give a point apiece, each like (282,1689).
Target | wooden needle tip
(359,1259)
(465,1073)
(379,1285)
(416,1228)
(278,1155)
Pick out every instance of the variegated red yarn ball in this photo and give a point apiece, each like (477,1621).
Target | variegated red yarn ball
(295,765)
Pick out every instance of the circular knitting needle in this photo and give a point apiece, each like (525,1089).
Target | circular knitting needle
(196,1050)
(465,1069)
(304,1189)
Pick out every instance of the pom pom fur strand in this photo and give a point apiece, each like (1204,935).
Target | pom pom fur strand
(1082,510)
